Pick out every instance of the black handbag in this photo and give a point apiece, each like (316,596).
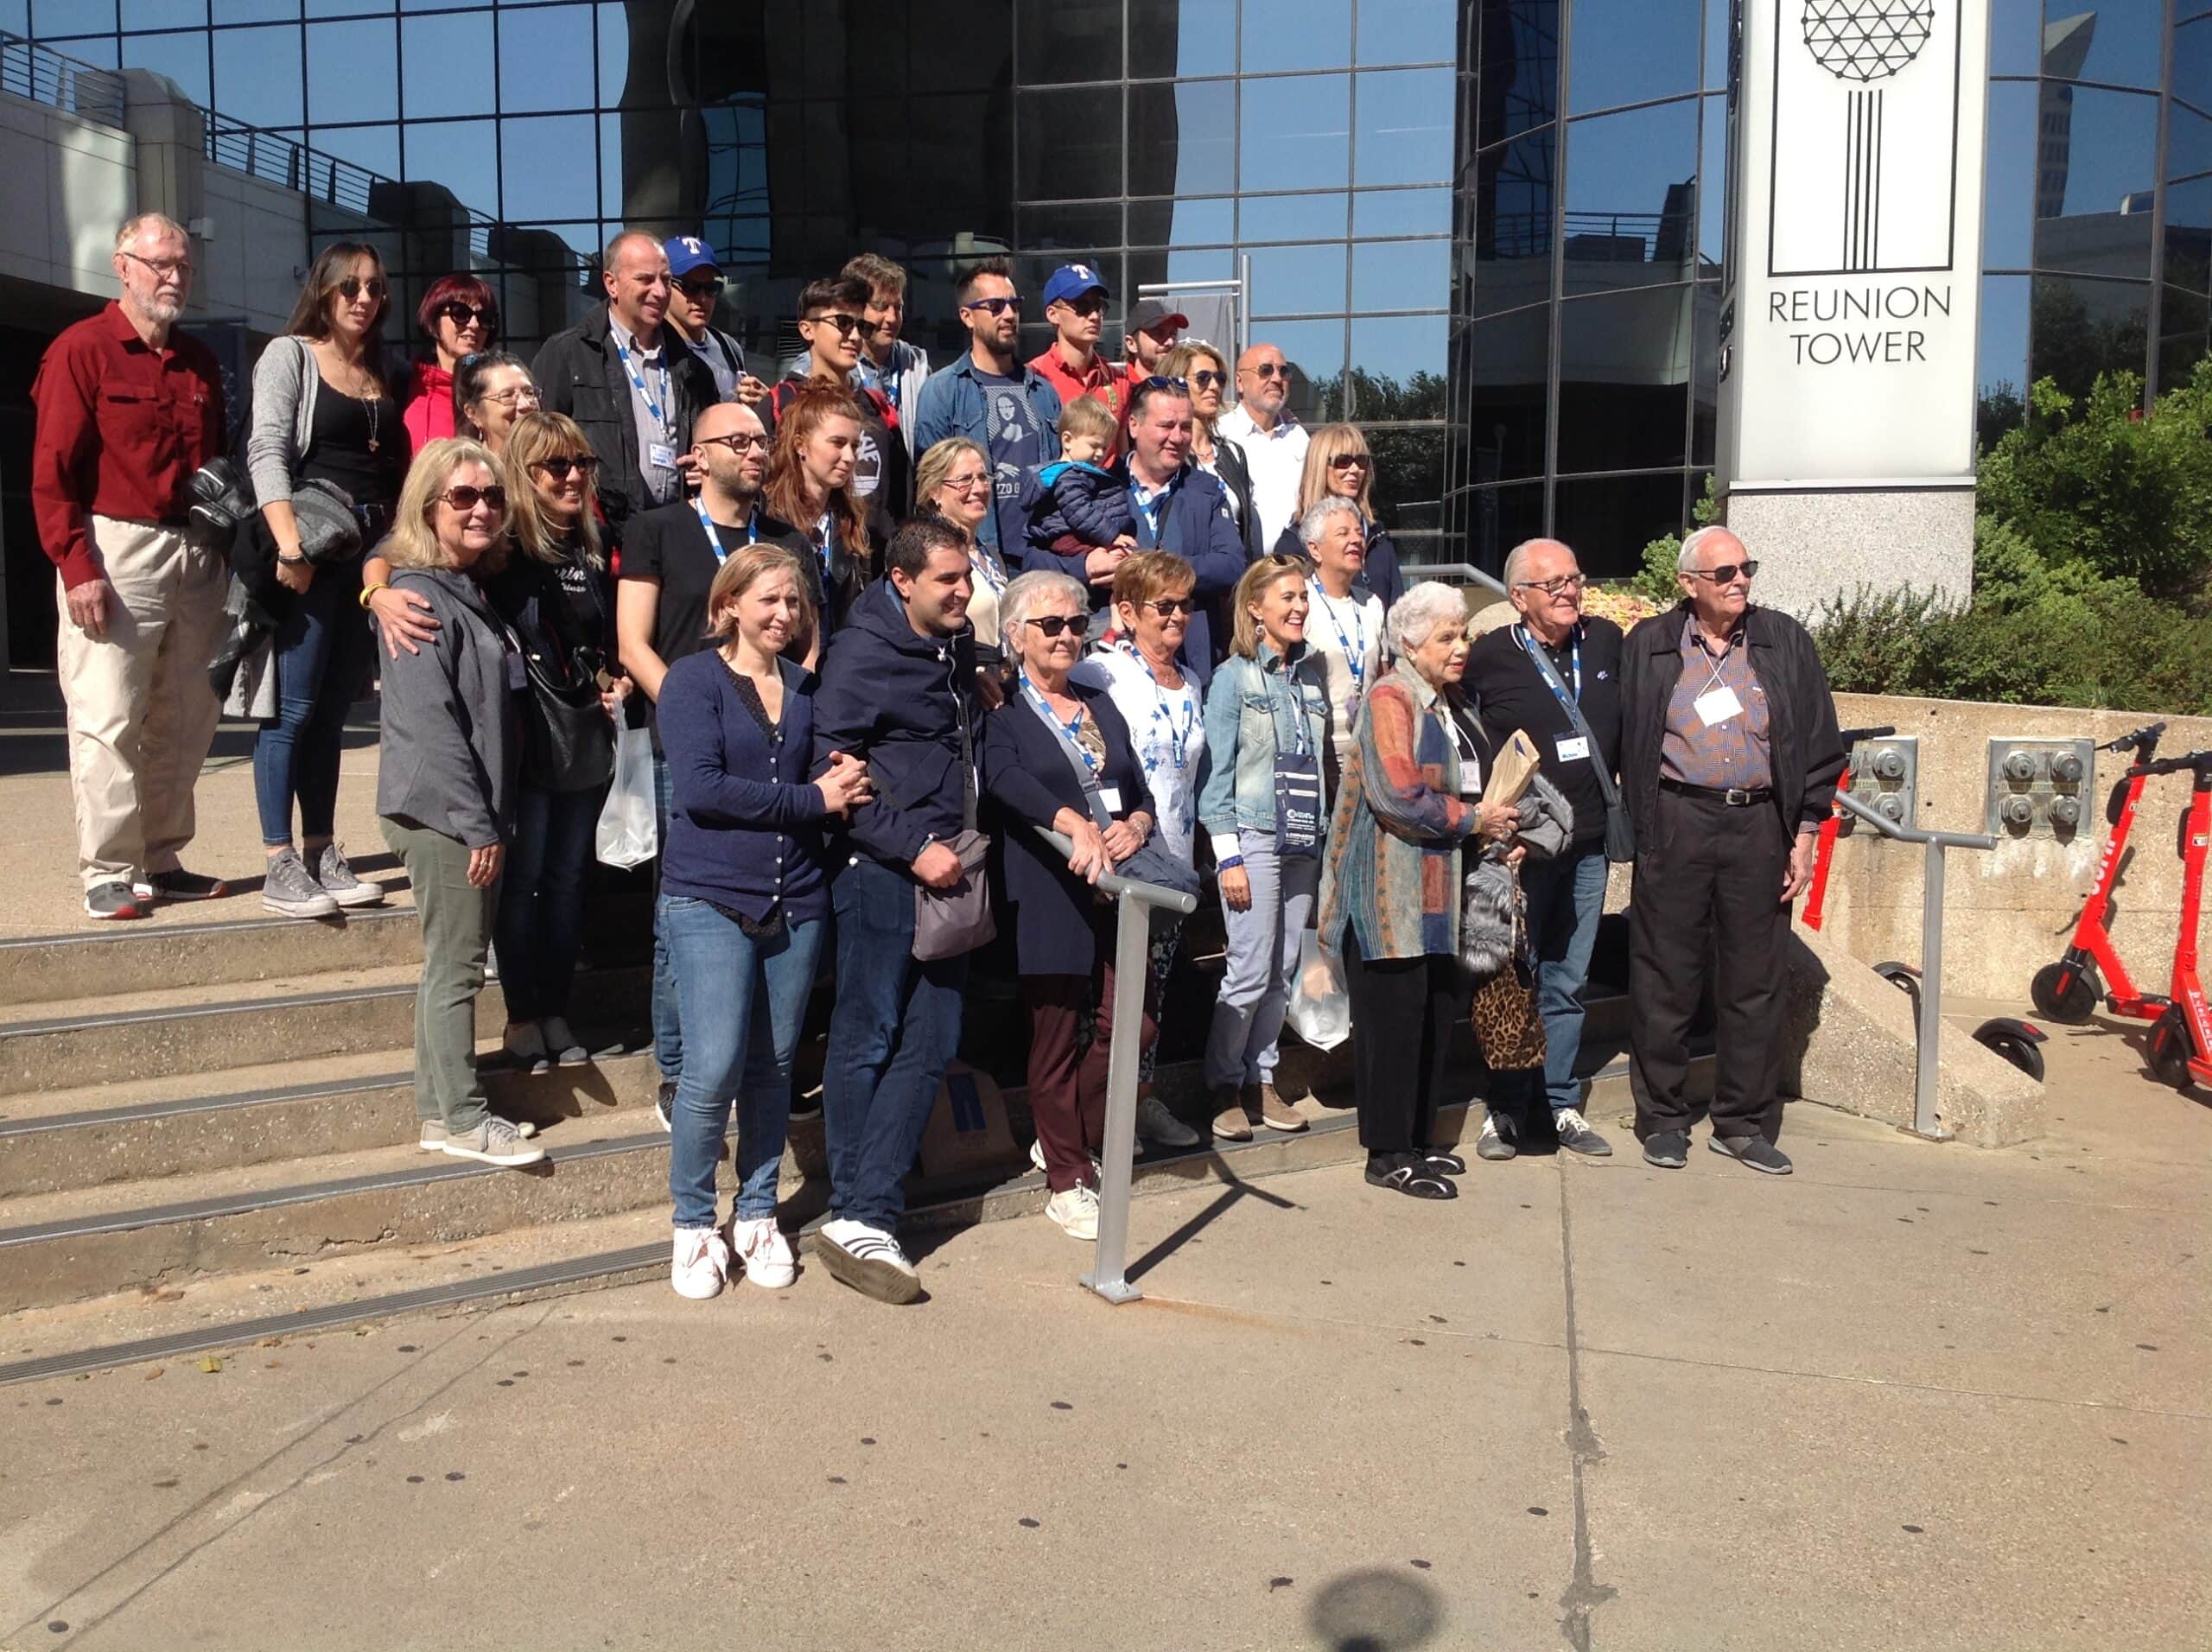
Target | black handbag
(569,739)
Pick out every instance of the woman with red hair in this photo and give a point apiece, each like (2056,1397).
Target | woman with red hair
(458,317)
(810,485)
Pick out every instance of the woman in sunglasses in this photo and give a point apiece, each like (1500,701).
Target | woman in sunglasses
(1196,364)
(452,737)
(1057,754)
(1339,466)
(321,412)
(459,318)
(553,591)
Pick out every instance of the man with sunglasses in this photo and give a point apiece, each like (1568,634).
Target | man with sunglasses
(833,317)
(1555,673)
(630,381)
(1008,409)
(1273,442)
(1075,304)
(691,303)
(1730,756)
(127,410)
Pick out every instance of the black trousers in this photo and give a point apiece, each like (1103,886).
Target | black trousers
(1403,1011)
(1707,898)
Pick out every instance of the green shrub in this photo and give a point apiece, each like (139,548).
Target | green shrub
(1654,580)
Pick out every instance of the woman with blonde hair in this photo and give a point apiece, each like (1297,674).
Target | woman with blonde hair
(450,745)
(744,898)
(1340,466)
(1196,363)
(554,592)
(953,481)
(810,485)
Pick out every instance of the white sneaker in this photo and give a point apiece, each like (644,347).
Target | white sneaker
(561,1043)
(432,1136)
(1077,1211)
(701,1266)
(1036,1157)
(868,1258)
(1161,1127)
(495,1141)
(762,1251)
(525,1046)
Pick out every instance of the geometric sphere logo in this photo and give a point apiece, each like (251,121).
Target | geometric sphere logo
(1867,40)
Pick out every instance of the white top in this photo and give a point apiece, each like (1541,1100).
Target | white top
(1277,459)
(1167,729)
(1343,631)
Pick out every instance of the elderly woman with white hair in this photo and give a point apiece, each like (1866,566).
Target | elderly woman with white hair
(1058,755)
(1343,628)
(1390,885)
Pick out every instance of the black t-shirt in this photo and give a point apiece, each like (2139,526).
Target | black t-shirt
(1511,694)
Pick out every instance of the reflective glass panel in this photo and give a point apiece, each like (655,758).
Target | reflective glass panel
(464,156)
(1179,223)
(1630,186)
(1398,361)
(1510,365)
(2188,140)
(1401,211)
(255,11)
(1315,351)
(2184,335)
(1632,51)
(1295,132)
(1077,233)
(181,57)
(2189,233)
(546,58)
(2008,201)
(1712,186)
(1182,138)
(1704,371)
(1400,276)
(161,14)
(2016,37)
(1171,37)
(2082,328)
(2116,40)
(1624,368)
(375,148)
(549,169)
(1292,218)
(1408,477)
(2096,167)
(1407,31)
(1519,82)
(1610,519)
(1071,144)
(614,53)
(1405,127)
(1282,35)
(446,60)
(1720,26)
(257,75)
(2193,62)
(352,71)
(1059,41)
(1298,280)
(1511,232)
(1498,518)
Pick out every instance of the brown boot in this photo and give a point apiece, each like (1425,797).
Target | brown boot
(1272,1110)
(1229,1122)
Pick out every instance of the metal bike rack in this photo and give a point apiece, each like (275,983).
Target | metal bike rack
(1924,1122)
(1133,903)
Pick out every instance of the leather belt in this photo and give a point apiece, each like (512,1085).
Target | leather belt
(1732,796)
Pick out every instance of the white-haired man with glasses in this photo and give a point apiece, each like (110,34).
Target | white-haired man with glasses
(1556,673)
(1730,755)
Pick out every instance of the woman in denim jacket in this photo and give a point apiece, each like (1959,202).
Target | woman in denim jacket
(1267,725)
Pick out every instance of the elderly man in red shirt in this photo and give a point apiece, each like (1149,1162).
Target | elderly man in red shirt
(126,413)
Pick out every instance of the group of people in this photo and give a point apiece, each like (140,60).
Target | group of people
(889,628)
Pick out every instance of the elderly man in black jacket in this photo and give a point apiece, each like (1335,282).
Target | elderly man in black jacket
(1730,756)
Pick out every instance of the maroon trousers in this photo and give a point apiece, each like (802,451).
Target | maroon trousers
(1067,1082)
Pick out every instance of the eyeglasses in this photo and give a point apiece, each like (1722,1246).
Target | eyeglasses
(1727,572)
(846,325)
(166,269)
(1053,624)
(463,314)
(1206,379)
(1269,370)
(996,306)
(350,289)
(513,396)
(465,498)
(1559,587)
(966,484)
(560,465)
(736,441)
(1349,461)
(703,287)
(1168,607)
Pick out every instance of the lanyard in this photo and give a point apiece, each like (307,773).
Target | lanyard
(1297,703)
(713,539)
(1068,731)
(1149,509)
(637,384)
(1713,662)
(987,568)
(1356,656)
(883,380)
(1551,678)
(1178,739)
(826,538)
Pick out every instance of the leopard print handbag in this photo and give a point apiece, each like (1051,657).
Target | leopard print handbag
(1507,1024)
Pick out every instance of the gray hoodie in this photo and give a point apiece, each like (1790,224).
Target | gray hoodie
(452,731)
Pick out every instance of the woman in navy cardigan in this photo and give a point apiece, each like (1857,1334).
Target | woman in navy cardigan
(1057,754)
(747,901)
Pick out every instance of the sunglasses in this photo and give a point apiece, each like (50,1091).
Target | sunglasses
(350,289)
(1053,624)
(1270,370)
(560,465)
(1168,607)
(846,325)
(465,498)
(736,441)
(1206,379)
(1727,571)
(703,287)
(1559,587)
(996,306)
(1349,461)
(463,315)
(1160,381)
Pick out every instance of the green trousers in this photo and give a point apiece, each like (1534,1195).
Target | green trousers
(456,940)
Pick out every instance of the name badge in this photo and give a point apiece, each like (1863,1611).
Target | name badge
(518,673)
(1574,748)
(1111,796)
(1716,706)
(660,455)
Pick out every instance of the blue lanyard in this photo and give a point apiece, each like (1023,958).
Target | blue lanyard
(981,558)
(1178,739)
(1069,730)
(714,540)
(1356,656)
(1297,701)
(637,384)
(1149,509)
(1550,678)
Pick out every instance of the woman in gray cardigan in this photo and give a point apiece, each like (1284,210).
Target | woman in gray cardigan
(321,412)
(446,781)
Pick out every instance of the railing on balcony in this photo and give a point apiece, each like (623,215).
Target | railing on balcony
(29,70)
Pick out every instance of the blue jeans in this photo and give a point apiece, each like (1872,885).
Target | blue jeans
(894,1031)
(667,1011)
(1566,897)
(542,899)
(324,654)
(745,1000)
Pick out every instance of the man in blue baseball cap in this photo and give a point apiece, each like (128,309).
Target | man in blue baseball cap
(698,289)
(1075,303)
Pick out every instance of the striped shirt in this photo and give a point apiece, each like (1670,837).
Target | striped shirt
(1734,752)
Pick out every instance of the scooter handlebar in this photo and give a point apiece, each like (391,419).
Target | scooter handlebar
(2200,762)
(2144,740)
(1853,736)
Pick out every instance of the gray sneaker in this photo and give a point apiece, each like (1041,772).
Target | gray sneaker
(495,1141)
(290,888)
(1576,1136)
(336,876)
(432,1135)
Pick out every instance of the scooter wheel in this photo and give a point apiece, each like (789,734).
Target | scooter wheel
(2170,1049)
(2020,1051)
(2071,1002)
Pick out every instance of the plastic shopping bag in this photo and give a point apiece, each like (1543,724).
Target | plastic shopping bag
(629,834)
(1321,1008)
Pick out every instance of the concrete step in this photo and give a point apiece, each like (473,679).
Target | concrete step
(119,1037)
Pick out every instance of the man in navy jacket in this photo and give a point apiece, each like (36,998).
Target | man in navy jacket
(897,692)
(1178,508)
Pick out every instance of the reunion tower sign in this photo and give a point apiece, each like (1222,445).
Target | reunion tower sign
(1848,318)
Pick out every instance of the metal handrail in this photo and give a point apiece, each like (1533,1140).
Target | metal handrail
(1466,571)
(1928,1073)
(1133,900)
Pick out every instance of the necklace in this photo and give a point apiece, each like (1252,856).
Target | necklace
(369,406)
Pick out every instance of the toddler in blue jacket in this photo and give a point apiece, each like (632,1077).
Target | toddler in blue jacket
(1075,504)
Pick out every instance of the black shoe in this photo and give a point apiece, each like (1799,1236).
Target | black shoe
(1405,1173)
(1496,1141)
(1441,1163)
(1668,1149)
(665,1105)
(112,900)
(1753,1150)
(177,884)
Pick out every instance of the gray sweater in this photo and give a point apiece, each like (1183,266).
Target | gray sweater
(452,732)
(285,380)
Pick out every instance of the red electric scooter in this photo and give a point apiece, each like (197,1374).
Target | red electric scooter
(2068,989)
(2181,1042)
(1816,892)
